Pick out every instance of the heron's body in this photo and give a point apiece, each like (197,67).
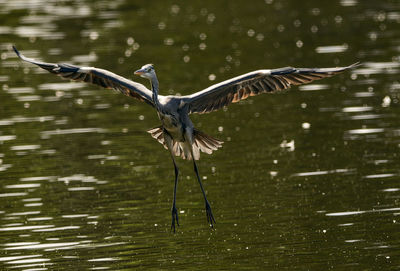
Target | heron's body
(177,132)
(172,120)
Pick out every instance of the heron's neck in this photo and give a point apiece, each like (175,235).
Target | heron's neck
(154,88)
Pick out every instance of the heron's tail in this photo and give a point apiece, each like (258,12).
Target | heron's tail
(201,142)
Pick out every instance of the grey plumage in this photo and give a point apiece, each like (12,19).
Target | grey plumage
(202,142)
(254,83)
(100,77)
(177,132)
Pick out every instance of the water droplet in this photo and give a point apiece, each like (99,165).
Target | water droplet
(185,47)
(210,18)
(168,41)
(299,43)
(161,25)
(250,32)
(386,101)
(130,41)
(94,35)
(280,28)
(314,29)
(315,11)
(128,53)
(175,9)
(338,19)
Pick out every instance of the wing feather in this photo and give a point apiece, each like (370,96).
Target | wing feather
(100,77)
(254,83)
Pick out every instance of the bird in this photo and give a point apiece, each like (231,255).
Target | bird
(177,132)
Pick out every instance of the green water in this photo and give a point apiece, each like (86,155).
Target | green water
(306,180)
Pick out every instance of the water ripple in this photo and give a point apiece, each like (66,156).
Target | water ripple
(13,258)
(19,119)
(365,131)
(4,167)
(104,259)
(17,194)
(349,3)
(357,109)
(45,32)
(364,94)
(8,137)
(366,117)
(29,98)
(332,49)
(363,212)
(44,246)
(19,90)
(75,216)
(24,228)
(379,176)
(390,190)
(62,86)
(48,134)
(92,57)
(30,261)
(78,177)
(378,68)
(313,87)
(39,178)
(26,185)
(24,213)
(322,172)
(24,147)
(57,229)
(81,188)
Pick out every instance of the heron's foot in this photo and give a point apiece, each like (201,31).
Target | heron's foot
(210,217)
(174,218)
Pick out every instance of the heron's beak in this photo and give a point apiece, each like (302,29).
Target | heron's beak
(139,72)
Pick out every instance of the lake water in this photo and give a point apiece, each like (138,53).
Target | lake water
(306,180)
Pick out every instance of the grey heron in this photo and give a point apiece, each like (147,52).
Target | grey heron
(176,132)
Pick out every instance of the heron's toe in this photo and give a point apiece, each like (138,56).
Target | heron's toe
(174,212)
(209,214)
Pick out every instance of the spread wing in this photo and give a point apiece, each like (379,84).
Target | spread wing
(254,83)
(100,77)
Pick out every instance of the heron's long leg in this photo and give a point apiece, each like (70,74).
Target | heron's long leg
(174,211)
(210,217)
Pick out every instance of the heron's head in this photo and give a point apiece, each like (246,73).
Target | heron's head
(146,71)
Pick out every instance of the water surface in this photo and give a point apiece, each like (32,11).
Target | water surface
(306,180)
